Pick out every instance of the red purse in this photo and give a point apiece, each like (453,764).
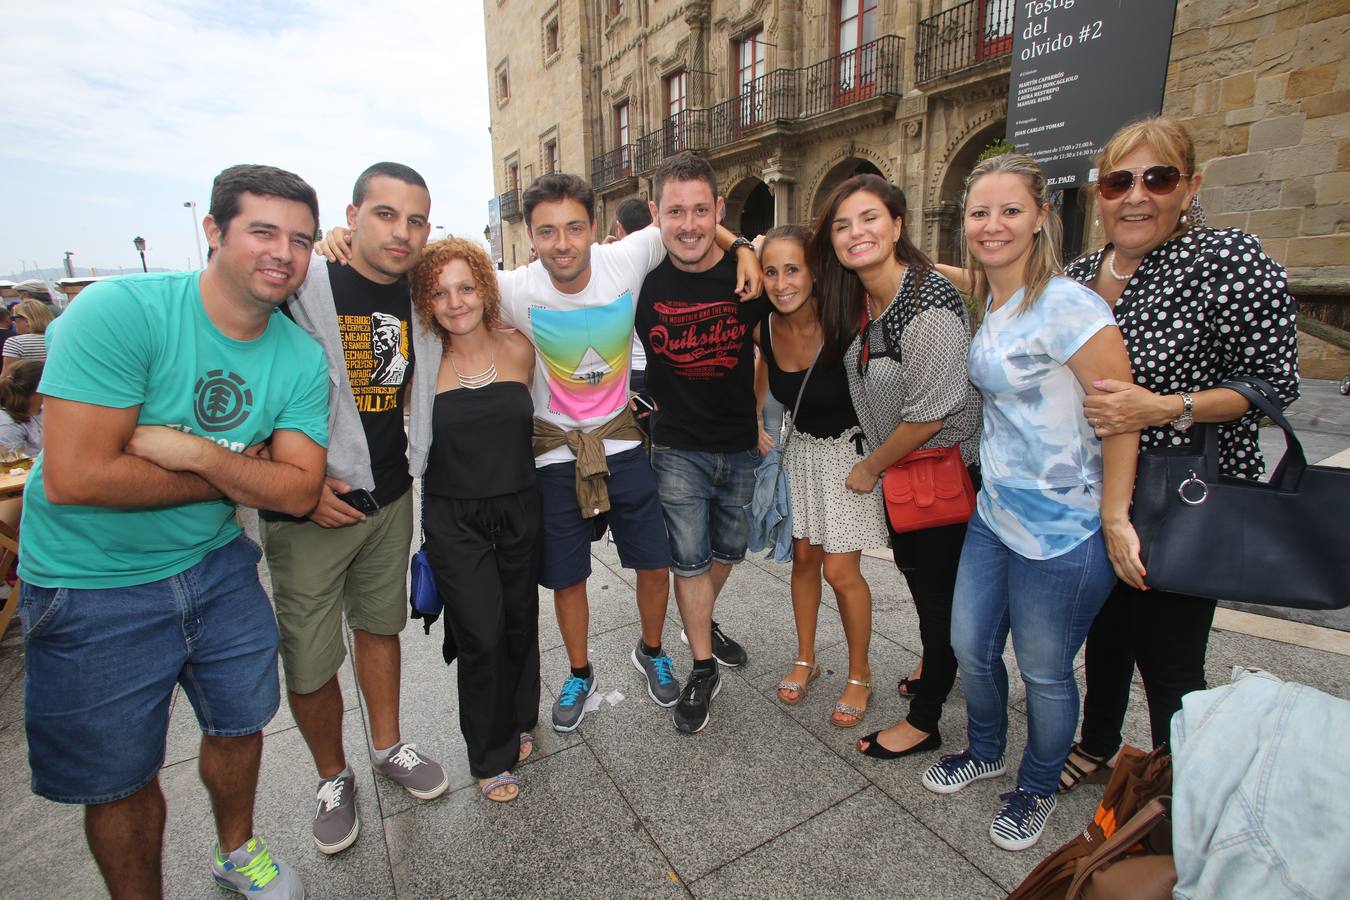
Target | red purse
(928,489)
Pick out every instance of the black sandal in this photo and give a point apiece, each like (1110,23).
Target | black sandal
(909,687)
(1081,767)
(876,751)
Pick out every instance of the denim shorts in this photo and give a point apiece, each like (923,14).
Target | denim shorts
(100,668)
(634,519)
(704,497)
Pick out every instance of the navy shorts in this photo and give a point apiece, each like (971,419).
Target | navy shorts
(634,517)
(101,665)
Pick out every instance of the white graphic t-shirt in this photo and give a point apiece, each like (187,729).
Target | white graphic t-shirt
(582,341)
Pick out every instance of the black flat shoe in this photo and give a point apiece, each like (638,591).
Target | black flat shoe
(876,751)
(908,687)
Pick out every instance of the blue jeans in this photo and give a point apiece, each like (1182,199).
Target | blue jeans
(703,497)
(1048,604)
(101,665)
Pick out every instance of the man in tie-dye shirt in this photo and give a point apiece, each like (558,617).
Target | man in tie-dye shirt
(575,303)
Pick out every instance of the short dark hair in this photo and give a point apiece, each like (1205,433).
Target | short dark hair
(265,181)
(554,187)
(633,214)
(684,167)
(398,171)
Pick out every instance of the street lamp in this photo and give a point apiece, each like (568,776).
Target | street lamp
(191,205)
(140,248)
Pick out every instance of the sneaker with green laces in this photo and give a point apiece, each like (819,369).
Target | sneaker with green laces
(253,871)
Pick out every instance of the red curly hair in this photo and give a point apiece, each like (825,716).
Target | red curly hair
(425,277)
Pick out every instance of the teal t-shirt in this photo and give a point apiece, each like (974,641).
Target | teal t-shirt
(146,341)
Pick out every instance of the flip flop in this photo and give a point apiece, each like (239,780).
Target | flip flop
(504,780)
(526,746)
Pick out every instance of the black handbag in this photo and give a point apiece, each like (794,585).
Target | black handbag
(1283,543)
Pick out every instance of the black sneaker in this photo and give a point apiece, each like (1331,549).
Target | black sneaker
(725,650)
(691,710)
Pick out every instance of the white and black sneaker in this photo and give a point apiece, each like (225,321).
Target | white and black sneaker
(1020,823)
(726,651)
(954,771)
(691,711)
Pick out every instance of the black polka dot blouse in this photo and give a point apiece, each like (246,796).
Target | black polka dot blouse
(1206,306)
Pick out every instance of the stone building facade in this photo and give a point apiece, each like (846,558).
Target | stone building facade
(787,99)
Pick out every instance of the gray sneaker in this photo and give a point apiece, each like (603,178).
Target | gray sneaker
(419,775)
(252,870)
(660,673)
(335,822)
(570,707)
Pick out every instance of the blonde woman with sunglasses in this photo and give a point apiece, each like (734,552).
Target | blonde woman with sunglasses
(1196,306)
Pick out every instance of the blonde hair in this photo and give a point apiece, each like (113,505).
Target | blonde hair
(1163,135)
(1044,262)
(37,313)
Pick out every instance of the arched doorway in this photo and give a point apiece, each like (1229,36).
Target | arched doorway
(750,207)
(950,234)
(838,174)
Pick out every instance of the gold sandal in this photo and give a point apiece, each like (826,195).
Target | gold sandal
(796,686)
(844,709)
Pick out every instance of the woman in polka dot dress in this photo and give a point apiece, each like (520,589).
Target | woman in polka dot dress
(1196,306)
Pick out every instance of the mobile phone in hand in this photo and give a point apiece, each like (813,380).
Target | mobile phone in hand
(361,500)
(643,402)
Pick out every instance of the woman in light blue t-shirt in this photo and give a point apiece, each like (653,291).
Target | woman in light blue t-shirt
(1051,529)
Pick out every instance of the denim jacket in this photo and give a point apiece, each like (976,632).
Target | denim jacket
(1261,775)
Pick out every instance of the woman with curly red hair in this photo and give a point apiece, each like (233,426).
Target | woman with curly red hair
(481,511)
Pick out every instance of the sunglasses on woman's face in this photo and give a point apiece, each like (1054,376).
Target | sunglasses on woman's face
(1158,180)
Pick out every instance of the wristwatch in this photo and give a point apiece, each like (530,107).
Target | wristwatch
(1184,421)
(740,242)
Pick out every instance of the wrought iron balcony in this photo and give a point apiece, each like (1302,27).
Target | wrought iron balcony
(975,32)
(509,204)
(778,97)
(612,167)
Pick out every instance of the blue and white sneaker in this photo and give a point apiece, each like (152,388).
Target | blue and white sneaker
(956,770)
(1020,823)
(570,707)
(659,671)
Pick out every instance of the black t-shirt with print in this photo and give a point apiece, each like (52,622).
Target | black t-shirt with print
(374,321)
(700,347)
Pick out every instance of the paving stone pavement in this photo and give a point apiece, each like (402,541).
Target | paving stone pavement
(768,801)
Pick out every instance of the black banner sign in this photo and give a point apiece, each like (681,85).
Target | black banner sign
(1080,70)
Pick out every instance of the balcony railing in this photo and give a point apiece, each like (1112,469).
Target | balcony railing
(509,203)
(872,70)
(956,39)
(609,168)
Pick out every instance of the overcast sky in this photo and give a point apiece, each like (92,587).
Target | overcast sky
(117,114)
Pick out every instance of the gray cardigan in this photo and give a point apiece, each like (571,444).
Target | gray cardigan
(313,309)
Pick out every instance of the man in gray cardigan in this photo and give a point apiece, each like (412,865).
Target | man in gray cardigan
(350,555)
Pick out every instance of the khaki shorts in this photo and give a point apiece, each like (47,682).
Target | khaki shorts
(320,573)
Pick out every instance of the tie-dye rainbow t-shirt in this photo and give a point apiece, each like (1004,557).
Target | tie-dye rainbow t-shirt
(582,341)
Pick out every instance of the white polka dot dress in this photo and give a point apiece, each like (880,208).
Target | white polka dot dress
(1203,307)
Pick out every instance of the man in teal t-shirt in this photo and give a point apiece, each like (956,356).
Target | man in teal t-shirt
(170,398)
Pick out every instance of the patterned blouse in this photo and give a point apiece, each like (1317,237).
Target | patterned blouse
(916,368)
(1206,306)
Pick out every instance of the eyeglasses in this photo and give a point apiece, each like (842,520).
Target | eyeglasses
(1158,180)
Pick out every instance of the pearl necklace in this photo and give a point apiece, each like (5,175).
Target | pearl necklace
(1111,267)
(480,380)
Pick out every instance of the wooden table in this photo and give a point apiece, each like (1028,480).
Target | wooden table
(11,487)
